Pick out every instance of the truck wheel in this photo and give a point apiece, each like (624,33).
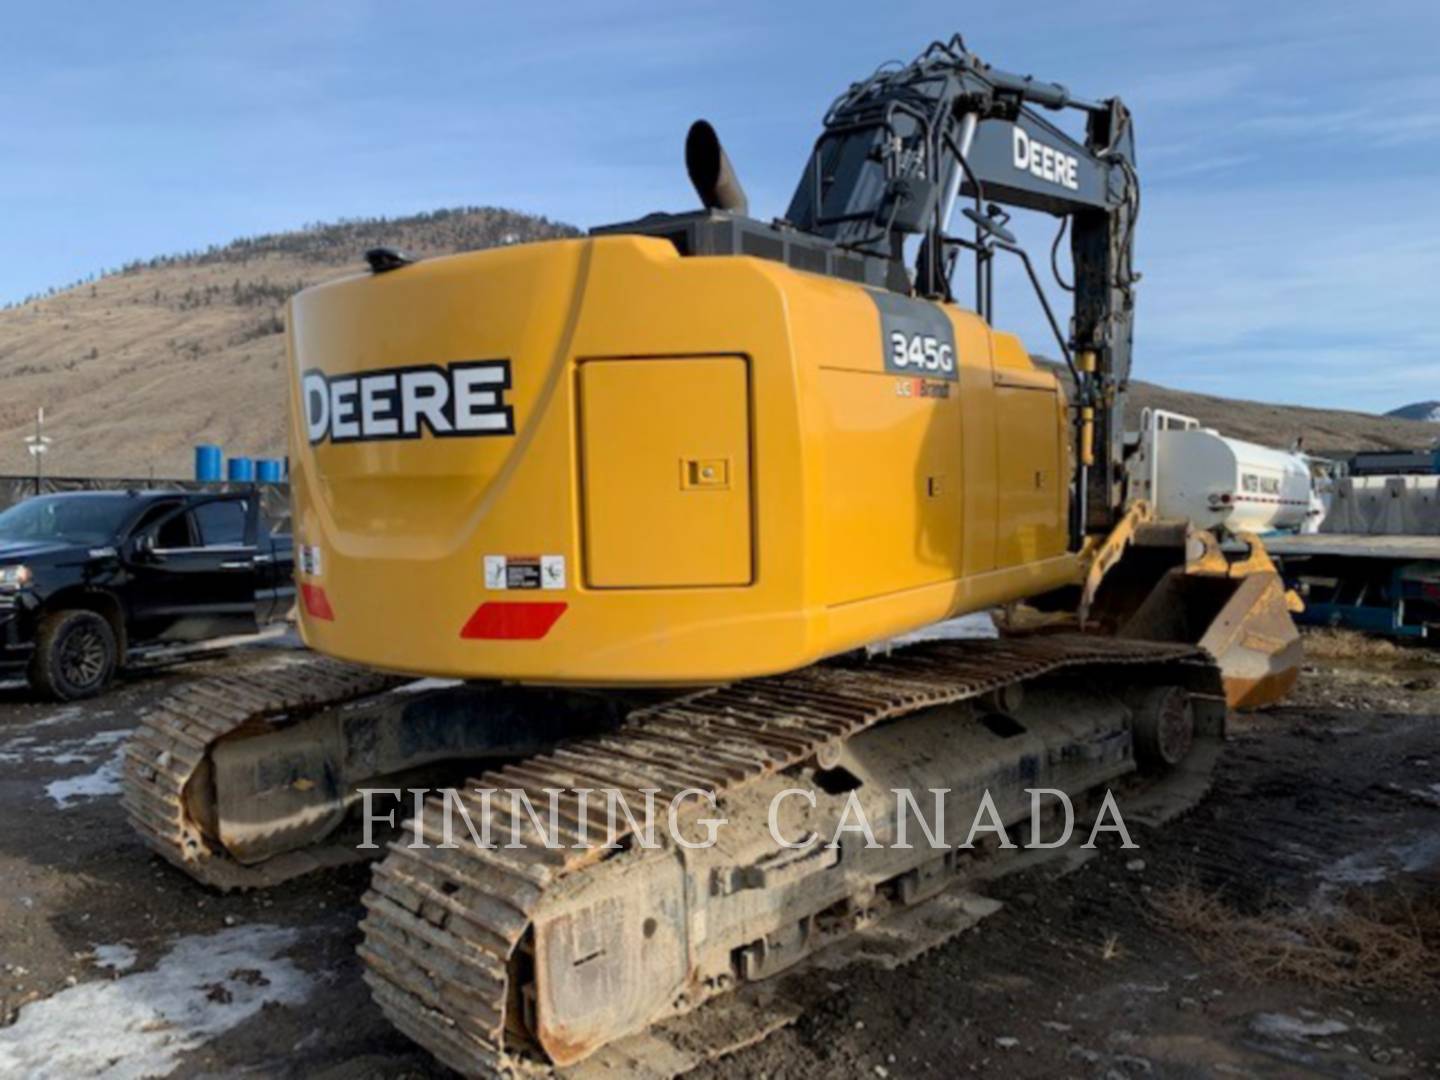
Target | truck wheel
(75,655)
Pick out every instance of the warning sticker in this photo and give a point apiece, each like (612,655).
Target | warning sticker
(525,571)
(310,560)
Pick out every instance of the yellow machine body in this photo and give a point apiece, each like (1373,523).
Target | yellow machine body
(709,469)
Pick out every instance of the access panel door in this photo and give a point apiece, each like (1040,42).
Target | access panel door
(665,469)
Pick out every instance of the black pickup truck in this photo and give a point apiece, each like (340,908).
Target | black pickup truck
(93,580)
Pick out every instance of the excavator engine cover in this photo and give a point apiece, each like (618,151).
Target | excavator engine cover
(601,462)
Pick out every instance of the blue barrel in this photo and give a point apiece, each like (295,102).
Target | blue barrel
(269,470)
(240,470)
(207,463)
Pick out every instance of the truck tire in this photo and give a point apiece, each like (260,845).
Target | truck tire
(75,655)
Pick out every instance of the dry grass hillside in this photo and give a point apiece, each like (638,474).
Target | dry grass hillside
(138,366)
(1326,431)
(1332,431)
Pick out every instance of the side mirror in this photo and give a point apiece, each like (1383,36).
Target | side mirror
(992,224)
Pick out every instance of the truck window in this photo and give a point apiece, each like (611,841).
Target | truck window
(93,518)
(222,524)
(150,517)
(174,533)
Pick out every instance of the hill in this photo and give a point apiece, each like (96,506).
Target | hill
(1325,431)
(137,366)
(1420,410)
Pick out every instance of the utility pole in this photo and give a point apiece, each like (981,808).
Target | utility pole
(37,445)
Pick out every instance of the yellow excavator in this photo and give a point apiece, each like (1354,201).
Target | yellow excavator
(652,496)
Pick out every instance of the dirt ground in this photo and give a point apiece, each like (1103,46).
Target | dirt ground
(1289,926)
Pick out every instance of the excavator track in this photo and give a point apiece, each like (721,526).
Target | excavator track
(450,933)
(166,760)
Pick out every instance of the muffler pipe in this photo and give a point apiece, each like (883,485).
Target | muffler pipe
(711,172)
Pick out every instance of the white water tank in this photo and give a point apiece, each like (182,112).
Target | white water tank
(1192,472)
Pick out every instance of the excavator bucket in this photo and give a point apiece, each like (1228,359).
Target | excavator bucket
(1168,581)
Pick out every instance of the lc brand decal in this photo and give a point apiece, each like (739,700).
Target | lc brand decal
(917,337)
(921,388)
(466,398)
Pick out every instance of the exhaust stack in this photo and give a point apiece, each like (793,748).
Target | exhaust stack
(711,172)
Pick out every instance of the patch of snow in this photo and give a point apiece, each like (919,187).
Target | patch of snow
(1144,988)
(1360,868)
(1420,854)
(140,1025)
(420,686)
(1280,1026)
(103,781)
(1414,855)
(63,715)
(86,751)
(977,626)
(114,957)
(77,751)
(280,653)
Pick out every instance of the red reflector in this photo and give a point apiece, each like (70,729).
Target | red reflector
(513,620)
(317,604)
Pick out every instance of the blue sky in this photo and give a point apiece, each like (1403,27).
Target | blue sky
(1290,152)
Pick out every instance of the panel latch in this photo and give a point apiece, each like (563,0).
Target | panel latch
(705,474)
